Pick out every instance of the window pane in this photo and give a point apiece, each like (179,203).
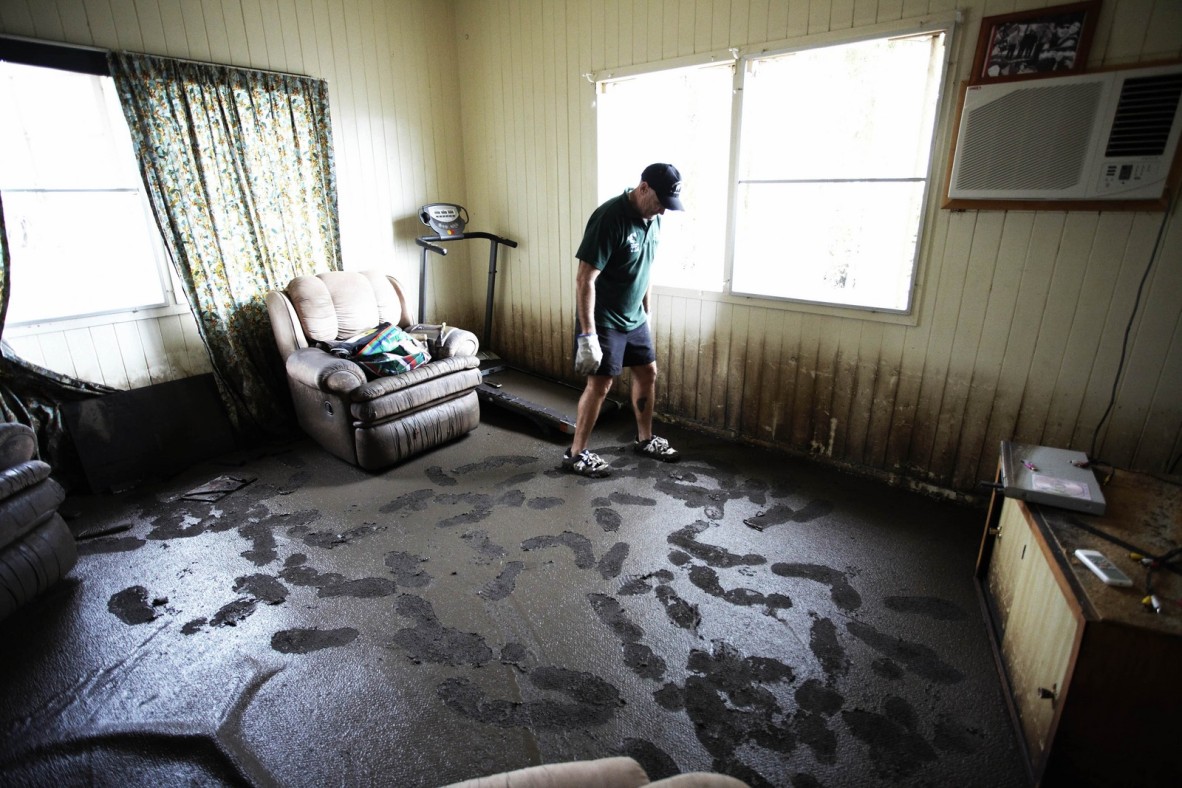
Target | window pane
(682,117)
(834,155)
(861,110)
(78,253)
(62,130)
(81,237)
(839,243)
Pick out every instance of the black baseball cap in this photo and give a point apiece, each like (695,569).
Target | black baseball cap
(665,180)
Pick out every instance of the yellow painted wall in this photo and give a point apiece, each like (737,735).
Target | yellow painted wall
(1020,315)
(393,90)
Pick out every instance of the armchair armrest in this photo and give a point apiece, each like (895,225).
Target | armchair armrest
(28,498)
(314,368)
(380,387)
(18,443)
(22,476)
(445,341)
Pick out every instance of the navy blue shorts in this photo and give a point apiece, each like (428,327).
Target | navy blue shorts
(624,349)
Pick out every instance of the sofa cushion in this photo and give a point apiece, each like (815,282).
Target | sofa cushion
(339,304)
(312,301)
(354,299)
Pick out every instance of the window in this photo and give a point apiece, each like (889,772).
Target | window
(827,173)
(74,204)
(676,116)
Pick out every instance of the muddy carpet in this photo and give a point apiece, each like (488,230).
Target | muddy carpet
(476,610)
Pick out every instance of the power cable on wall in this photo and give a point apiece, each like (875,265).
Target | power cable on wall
(1161,231)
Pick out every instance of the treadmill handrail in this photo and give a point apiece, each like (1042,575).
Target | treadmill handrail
(426,240)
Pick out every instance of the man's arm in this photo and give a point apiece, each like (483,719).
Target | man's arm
(588,353)
(585,296)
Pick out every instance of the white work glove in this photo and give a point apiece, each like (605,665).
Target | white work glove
(589,355)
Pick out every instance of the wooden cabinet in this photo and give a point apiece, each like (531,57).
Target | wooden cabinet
(1093,676)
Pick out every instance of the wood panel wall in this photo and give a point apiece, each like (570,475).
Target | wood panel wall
(1021,315)
(393,89)
(127,354)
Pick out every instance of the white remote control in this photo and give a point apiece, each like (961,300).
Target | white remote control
(1103,568)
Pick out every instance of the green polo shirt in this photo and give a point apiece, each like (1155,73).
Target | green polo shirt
(621,245)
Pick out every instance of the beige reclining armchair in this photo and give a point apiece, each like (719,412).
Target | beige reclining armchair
(371,423)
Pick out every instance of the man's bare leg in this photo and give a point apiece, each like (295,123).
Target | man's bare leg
(644,389)
(590,403)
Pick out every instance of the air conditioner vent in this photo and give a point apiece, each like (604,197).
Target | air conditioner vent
(1000,154)
(1144,116)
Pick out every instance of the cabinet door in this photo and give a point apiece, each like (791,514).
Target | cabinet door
(1039,626)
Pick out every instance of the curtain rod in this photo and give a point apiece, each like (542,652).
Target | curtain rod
(46,42)
(222,65)
(68,57)
(25,44)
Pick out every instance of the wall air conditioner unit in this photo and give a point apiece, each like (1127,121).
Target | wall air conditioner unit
(1100,137)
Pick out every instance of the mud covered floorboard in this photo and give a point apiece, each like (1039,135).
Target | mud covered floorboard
(476,610)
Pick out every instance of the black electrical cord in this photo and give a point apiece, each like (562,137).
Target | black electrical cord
(1165,561)
(1153,563)
(1124,349)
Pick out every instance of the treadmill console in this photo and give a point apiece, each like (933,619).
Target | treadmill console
(445,218)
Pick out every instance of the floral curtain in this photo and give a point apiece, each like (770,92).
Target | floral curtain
(238,166)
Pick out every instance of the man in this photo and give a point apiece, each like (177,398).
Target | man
(612,306)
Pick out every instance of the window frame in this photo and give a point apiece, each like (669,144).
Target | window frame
(739,56)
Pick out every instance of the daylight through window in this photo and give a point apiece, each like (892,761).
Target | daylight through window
(683,117)
(80,233)
(827,179)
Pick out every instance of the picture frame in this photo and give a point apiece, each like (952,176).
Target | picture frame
(1040,42)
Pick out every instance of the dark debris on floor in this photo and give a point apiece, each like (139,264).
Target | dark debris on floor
(475,610)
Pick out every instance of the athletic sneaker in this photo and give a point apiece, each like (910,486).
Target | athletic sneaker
(585,463)
(657,448)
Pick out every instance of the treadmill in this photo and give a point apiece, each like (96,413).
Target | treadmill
(550,404)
